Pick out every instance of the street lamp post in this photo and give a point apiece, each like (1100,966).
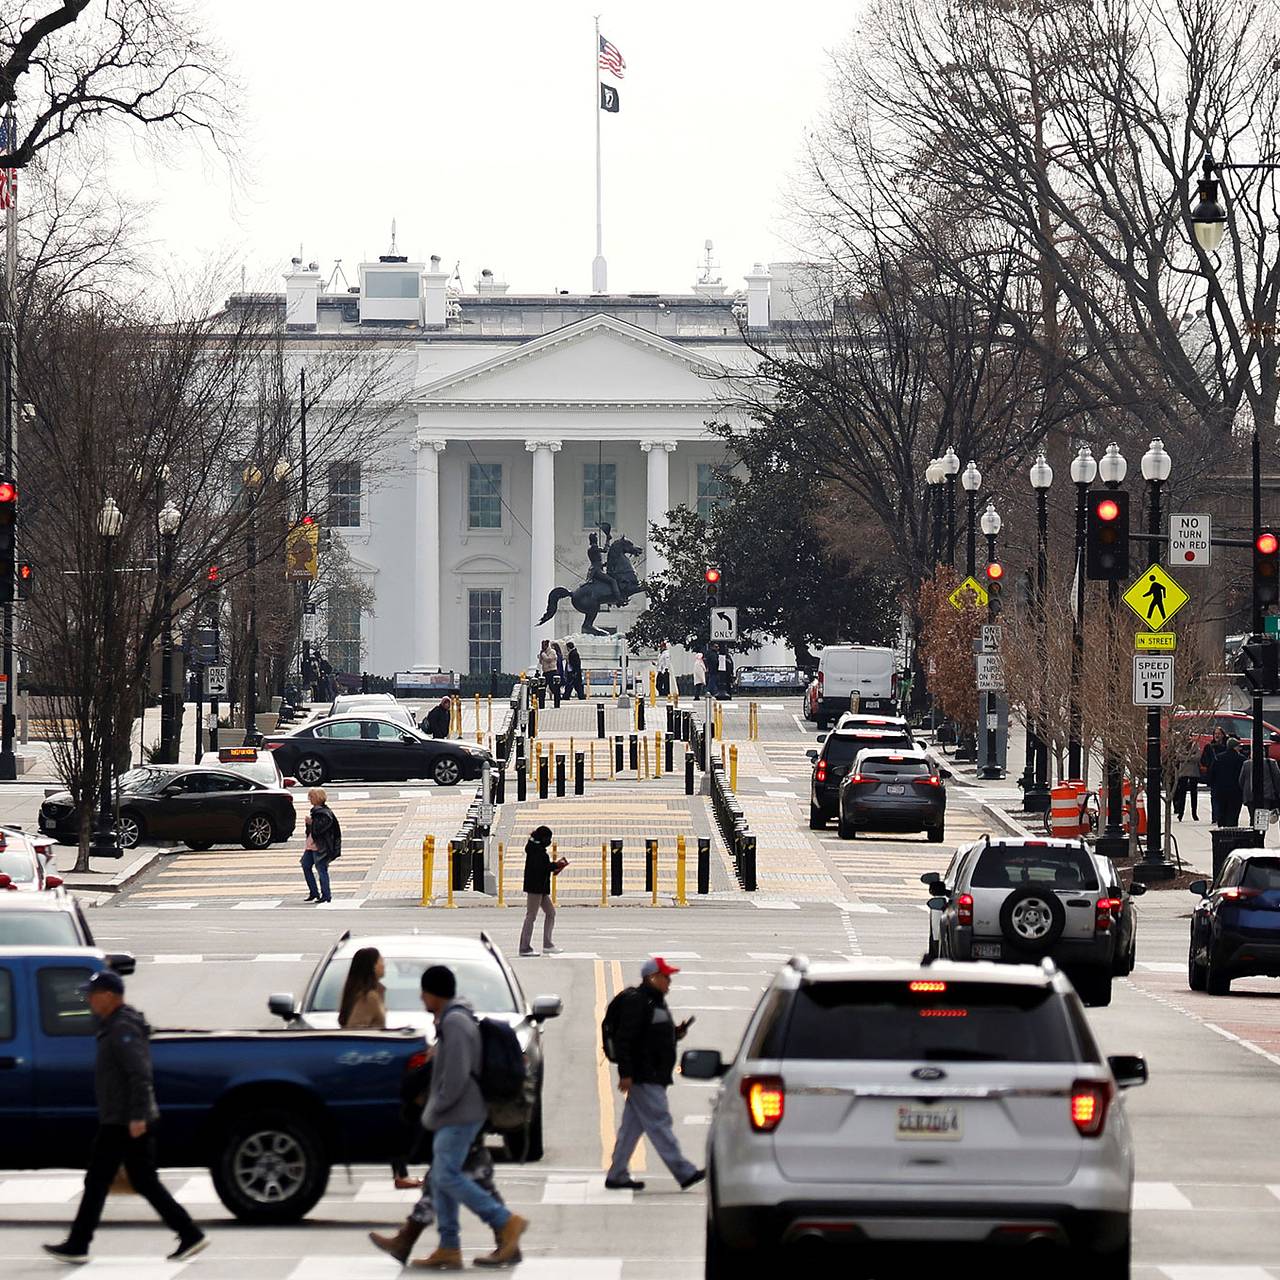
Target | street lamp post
(249,698)
(1113,843)
(167,523)
(1156,465)
(991,703)
(1035,792)
(934,475)
(972,482)
(103,844)
(950,462)
(1084,471)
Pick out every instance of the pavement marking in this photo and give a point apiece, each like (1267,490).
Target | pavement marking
(604,1079)
(169,906)
(728,988)
(1162,966)
(357,795)
(1272,1058)
(330,1267)
(135,1268)
(1217,1272)
(773,778)
(39,1190)
(282,957)
(772,904)
(1159,1195)
(574,1190)
(258,904)
(863,908)
(177,959)
(770,955)
(781,795)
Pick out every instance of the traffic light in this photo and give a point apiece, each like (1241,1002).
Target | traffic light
(1107,536)
(25,573)
(213,577)
(995,581)
(715,585)
(1266,568)
(8,538)
(1259,665)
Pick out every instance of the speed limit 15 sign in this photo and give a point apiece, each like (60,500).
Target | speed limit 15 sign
(1153,680)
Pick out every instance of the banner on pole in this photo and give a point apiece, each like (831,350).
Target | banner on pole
(609,100)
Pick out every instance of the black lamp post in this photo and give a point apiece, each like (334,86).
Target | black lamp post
(249,698)
(950,462)
(104,844)
(1084,471)
(1113,842)
(1035,790)
(991,525)
(935,474)
(167,523)
(972,482)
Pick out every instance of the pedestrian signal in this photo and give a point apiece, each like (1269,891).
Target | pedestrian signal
(1266,568)
(24,577)
(1259,665)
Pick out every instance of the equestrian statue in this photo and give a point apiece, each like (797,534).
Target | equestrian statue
(610,580)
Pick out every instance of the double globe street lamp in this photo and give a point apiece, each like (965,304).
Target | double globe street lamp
(972,482)
(1035,775)
(950,463)
(1084,471)
(167,524)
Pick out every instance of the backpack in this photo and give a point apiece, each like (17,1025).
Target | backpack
(612,1017)
(504,1080)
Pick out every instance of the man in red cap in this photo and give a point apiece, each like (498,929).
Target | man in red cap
(644,1047)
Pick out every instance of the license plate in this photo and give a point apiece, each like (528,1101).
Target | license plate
(986,951)
(925,1122)
(896,789)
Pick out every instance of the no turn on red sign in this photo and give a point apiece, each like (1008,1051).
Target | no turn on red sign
(1190,539)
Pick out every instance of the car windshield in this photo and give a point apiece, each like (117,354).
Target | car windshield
(949,1022)
(1001,867)
(18,865)
(37,929)
(480,982)
(1259,873)
(147,781)
(263,769)
(905,767)
(842,750)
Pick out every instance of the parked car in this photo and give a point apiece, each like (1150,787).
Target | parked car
(1017,900)
(193,803)
(372,747)
(52,919)
(848,669)
(22,866)
(835,758)
(872,1111)
(254,763)
(809,704)
(382,705)
(892,791)
(267,1112)
(1235,927)
(485,979)
(1235,724)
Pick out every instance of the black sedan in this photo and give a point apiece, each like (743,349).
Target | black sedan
(893,791)
(370,748)
(195,804)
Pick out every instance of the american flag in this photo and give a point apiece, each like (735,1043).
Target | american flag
(611,59)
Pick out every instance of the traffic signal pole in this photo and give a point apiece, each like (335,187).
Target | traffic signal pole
(9,356)
(1256,748)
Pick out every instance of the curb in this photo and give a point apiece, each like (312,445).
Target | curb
(1003,819)
(135,869)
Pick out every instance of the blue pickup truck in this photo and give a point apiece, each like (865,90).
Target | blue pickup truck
(268,1112)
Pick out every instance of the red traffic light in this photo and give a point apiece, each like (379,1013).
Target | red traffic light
(212,575)
(1266,543)
(24,571)
(712,574)
(1108,509)
(8,491)
(308,519)
(995,571)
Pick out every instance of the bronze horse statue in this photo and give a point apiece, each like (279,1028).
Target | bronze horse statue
(589,598)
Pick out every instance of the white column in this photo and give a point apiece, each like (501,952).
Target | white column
(542,554)
(426,603)
(658,502)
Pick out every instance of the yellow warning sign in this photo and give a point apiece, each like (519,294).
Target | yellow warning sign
(970,594)
(1155,597)
(302,553)
(1155,641)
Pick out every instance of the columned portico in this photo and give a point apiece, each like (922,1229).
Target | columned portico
(542,554)
(657,502)
(426,606)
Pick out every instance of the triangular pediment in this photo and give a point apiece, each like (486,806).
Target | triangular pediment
(597,360)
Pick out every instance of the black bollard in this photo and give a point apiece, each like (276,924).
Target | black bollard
(688,773)
(617,754)
(635,755)
(522,782)
(461,864)
(477,865)
(520,754)
(615,868)
(555,693)
(669,746)
(533,722)
(650,857)
(579,772)
(500,786)
(704,864)
(640,712)
(544,775)
(671,720)
(748,846)
(559,773)
(599,719)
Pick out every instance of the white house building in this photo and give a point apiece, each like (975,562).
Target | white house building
(531,419)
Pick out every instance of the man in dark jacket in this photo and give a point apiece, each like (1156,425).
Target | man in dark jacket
(1224,783)
(645,1045)
(573,672)
(127,1116)
(538,870)
(1262,810)
(436,722)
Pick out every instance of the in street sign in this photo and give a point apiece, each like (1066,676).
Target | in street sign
(215,681)
(969,594)
(1152,680)
(992,637)
(724,622)
(1155,641)
(990,673)
(1189,539)
(1155,597)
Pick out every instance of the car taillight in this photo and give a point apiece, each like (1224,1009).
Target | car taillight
(820,773)
(931,781)
(1108,910)
(1089,1101)
(416,1061)
(858,777)
(766,1101)
(964,908)
(1239,894)
(822,680)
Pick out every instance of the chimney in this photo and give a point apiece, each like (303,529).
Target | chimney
(301,294)
(489,285)
(757,297)
(434,295)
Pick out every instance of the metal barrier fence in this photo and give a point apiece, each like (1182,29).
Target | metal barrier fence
(733,826)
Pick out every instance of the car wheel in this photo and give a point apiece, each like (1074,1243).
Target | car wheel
(1094,987)
(816,820)
(129,829)
(199,845)
(1111,1264)
(271,1168)
(525,1144)
(309,771)
(1216,981)
(936,835)
(258,832)
(726,1263)
(847,830)
(446,771)
(1196,973)
(1032,919)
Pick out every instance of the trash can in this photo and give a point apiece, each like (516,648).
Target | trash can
(1228,839)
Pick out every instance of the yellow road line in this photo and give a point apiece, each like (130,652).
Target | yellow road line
(604,1077)
(637,1160)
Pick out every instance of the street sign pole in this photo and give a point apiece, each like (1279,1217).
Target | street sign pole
(1112,843)
(1154,866)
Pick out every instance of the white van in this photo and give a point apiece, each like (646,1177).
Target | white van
(846,669)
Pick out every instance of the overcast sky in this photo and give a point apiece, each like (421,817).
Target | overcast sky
(472,124)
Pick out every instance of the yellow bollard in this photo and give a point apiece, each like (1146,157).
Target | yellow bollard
(657,753)
(489,729)
(644,757)
(608,746)
(653,854)
(733,766)
(479,738)
(675,694)
(653,688)
(719,721)
(502,868)
(681,872)
(449,869)
(604,874)
(555,880)
(593,759)
(635,717)
(569,761)
(724,764)
(428,868)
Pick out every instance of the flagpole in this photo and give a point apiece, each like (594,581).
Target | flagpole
(599,268)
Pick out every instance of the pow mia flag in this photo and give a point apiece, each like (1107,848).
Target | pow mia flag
(608,97)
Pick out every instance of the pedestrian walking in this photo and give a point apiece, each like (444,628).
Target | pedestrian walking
(711,666)
(547,665)
(643,1044)
(1188,782)
(437,721)
(1224,783)
(664,670)
(1263,807)
(324,845)
(557,687)
(124,1088)
(724,675)
(1217,746)
(699,674)
(538,870)
(573,672)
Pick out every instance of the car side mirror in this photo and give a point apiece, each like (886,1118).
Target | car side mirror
(930,878)
(812,755)
(53,882)
(1136,890)
(822,737)
(290,782)
(1199,887)
(937,903)
(702,1064)
(1129,1070)
(545,1007)
(282,1005)
(121,962)
(944,772)
(922,744)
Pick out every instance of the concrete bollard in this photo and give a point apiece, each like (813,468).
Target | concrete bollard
(704,864)
(681,899)
(615,868)
(428,868)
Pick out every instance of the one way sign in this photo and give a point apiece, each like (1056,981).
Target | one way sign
(724,622)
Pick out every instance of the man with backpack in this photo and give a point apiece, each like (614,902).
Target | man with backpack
(640,1036)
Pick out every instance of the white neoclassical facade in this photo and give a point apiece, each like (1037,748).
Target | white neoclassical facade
(530,419)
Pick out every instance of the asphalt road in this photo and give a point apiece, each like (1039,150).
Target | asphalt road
(1207,1204)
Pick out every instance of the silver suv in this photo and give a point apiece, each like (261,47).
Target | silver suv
(1019,900)
(878,1110)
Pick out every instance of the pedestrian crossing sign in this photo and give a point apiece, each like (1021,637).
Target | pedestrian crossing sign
(969,594)
(1155,597)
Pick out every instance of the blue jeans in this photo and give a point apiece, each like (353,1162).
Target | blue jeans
(309,860)
(450,1187)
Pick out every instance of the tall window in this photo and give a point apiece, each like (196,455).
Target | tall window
(599,494)
(344,633)
(344,495)
(484,495)
(711,488)
(484,631)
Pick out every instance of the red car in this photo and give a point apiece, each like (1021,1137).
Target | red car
(1236,724)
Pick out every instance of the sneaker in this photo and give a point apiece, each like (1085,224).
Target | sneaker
(528,953)
(693,1179)
(551,951)
(189,1248)
(65,1253)
(624,1184)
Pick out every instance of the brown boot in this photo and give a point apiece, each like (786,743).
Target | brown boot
(491,1259)
(400,1245)
(507,1254)
(441,1260)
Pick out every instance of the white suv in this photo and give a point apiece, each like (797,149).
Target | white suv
(897,1108)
